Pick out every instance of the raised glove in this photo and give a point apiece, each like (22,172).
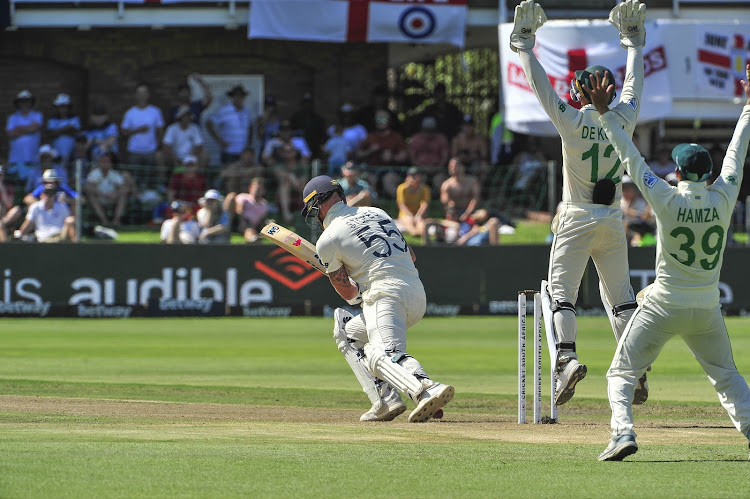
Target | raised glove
(628,17)
(529,17)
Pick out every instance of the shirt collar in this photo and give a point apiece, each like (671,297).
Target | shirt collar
(689,186)
(335,211)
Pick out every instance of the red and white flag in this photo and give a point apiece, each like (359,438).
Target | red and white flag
(722,52)
(406,21)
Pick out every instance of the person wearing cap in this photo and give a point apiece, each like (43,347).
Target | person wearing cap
(413,199)
(49,219)
(143,127)
(429,150)
(212,219)
(101,133)
(183,138)
(232,125)
(107,188)
(187,184)
(184,98)
(251,209)
(309,124)
(369,263)
(52,178)
(692,222)
(63,127)
(353,132)
(471,148)
(589,222)
(48,159)
(357,191)
(383,150)
(181,228)
(447,116)
(24,134)
(289,160)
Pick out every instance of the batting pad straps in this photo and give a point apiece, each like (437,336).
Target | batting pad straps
(563,305)
(387,369)
(567,345)
(617,310)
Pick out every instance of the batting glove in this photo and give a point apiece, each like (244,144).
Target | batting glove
(360,289)
(628,17)
(529,17)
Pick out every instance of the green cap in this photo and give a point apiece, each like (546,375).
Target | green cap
(693,162)
(584,77)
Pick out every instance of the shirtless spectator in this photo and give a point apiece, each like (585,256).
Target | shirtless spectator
(382,150)
(236,177)
(357,191)
(107,188)
(413,199)
(428,150)
(251,209)
(460,192)
(471,148)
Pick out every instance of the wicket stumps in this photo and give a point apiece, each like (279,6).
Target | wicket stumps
(537,328)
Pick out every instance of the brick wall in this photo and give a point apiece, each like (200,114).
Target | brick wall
(103,65)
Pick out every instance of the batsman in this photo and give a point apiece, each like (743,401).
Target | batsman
(368,262)
(589,222)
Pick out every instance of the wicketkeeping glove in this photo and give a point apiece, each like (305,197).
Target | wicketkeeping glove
(628,17)
(529,17)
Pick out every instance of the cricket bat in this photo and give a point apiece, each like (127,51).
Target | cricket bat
(294,244)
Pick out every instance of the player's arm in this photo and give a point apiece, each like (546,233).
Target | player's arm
(629,17)
(731,169)
(412,254)
(343,284)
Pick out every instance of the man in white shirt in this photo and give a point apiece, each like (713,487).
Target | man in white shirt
(232,125)
(692,223)
(143,126)
(369,263)
(181,228)
(105,188)
(183,138)
(50,219)
(589,222)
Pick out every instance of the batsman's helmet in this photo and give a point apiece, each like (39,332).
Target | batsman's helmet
(50,176)
(317,191)
(582,82)
(693,162)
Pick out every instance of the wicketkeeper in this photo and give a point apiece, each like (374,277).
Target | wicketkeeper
(589,223)
(368,262)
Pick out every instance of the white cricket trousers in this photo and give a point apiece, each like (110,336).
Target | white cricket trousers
(705,334)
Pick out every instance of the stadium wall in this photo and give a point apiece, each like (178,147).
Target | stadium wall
(124,280)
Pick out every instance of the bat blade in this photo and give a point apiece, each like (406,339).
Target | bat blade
(293,243)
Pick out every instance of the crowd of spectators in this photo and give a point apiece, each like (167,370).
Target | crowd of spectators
(430,177)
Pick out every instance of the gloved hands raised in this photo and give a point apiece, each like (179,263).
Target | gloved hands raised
(628,17)
(528,18)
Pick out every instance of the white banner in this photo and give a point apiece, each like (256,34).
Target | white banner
(563,47)
(406,21)
(721,52)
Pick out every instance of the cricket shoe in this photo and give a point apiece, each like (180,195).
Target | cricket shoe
(387,408)
(641,391)
(567,376)
(432,398)
(619,448)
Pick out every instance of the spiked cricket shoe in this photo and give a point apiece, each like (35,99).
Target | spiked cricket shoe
(431,399)
(567,377)
(619,448)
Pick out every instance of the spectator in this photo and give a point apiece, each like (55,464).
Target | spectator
(310,125)
(181,228)
(102,134)
(353,132)
(236,177)
(428,149)
(24,133)
(49,179)
(47,161)
(279,149)
(637,216)
(232,125)
(357,191)
(338,149)
(9,212)
(269,122)
(251,210)
(212,219)
(63,128)
(49,219)
(108,188)
(501,139)
(448,117)
(471,148)
(478,229)
(184,98)
(285,156)
(460,191)
(367,115)
(529,161)
(143,126)
(183,138)
(187,184)
(382,150)
(80,152)
(662,165)
(413,200)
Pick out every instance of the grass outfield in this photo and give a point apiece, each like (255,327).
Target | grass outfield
(267,407)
